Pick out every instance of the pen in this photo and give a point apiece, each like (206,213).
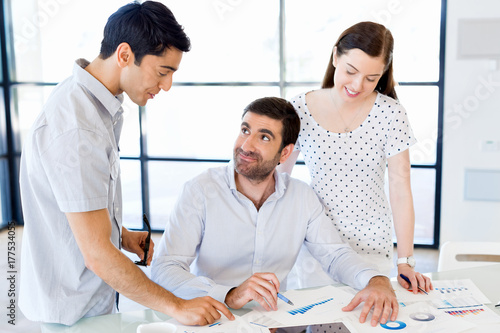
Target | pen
(283,298)
(144,262)
(404,277)
(257,324)
(215,324)
(498,304)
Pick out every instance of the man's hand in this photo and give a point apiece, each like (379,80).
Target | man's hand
(416,279)
(380,296)
(135,241)
(200,311)
(260,287)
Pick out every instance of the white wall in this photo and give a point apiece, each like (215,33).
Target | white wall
(472,115)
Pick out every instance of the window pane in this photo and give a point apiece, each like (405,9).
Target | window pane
(423,185)
(311,34)
(4,193)
(300,171)
(130,137)
(198,122)
(165,184)
(131,192)
(27,102)
(421,103)
(3,129)
(292,91)
(416,45)
(50,35)
(231,40)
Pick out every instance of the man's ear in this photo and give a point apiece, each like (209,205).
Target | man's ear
(124,55)
(286,152)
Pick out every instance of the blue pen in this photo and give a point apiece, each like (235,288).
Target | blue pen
(215,324)
(257,324)
(404,277)
(283,298)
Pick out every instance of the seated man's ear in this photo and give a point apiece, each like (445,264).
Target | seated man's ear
(286,152)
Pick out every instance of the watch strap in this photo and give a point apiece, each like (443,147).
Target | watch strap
(407,260)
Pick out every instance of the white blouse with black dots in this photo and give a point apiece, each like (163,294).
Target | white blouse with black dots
(348,170)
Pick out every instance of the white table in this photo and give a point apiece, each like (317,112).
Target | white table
(486,279)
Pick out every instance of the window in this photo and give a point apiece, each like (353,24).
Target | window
(241,50)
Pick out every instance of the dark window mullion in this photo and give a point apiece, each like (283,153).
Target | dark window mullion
(143,157)
(14,209)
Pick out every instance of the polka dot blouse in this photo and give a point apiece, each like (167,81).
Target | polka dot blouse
(348,169)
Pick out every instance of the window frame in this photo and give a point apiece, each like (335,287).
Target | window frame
(14,207)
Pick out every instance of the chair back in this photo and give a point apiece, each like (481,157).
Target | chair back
(457,255)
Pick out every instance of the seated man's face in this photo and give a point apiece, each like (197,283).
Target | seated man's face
(257,149)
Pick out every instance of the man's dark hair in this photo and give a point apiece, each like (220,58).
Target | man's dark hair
(279,109)
(149,28)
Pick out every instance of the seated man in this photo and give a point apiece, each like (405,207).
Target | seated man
(239,228)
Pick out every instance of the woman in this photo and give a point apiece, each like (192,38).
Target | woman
(350,129)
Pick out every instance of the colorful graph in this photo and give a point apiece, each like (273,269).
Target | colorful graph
(306,308)
(464,313)
(449,290)
(422,316)
(394,325)
(456,302)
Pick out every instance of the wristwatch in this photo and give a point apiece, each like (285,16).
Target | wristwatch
(407,260)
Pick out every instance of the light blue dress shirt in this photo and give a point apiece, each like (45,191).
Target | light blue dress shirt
(69,163)
(216,238)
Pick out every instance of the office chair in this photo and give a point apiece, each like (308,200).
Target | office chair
(457,255)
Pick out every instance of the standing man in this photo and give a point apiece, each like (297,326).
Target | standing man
(236,230)
(70,179)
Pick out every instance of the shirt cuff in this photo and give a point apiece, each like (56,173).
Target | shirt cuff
(219,292)
(365,276)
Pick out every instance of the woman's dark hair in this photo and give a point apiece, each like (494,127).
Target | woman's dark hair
(149,28)
(279,109)
(375,40)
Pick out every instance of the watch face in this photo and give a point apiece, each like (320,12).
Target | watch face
(411,261)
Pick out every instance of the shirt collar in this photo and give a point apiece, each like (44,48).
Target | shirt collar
(280,181)
(95,87)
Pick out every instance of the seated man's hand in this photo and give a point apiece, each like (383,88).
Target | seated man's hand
(200,311)
(260,287)
(380,296)
(135,241)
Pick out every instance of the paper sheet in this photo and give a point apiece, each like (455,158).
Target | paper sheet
(418,317)
(223,325)
(477,315)
(417,313)
(313,306)
(446,294)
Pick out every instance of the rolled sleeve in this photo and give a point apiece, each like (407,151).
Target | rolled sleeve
(363,277)
(219,292)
